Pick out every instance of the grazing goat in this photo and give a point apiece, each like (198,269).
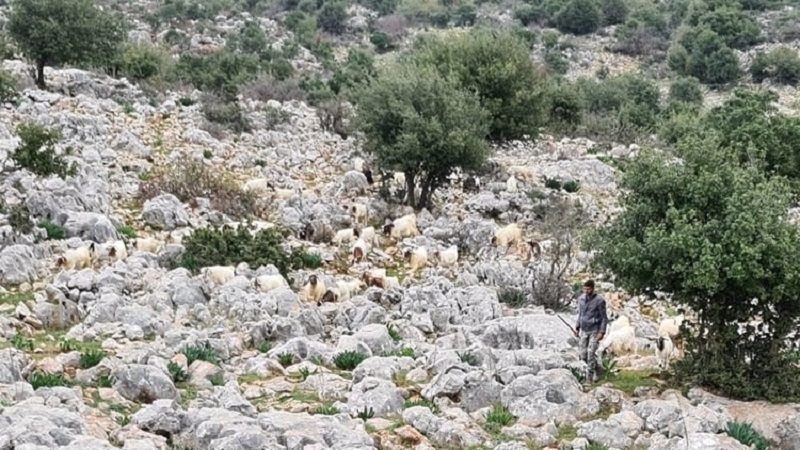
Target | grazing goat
(148,245)
(345,236)
(619,341)
(506,236)
(359,212)
(314,289)
(348,288)
(664,352)
(77,258)
(219,275)
(266,283)
(448,257)
(330,296)
(418,259)
(511,184)
(405,226)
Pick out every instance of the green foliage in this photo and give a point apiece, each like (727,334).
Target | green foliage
(286,359)
(366,413)
(304,373)
(348,360)
(326,409)
(142,62)
(688,229)
(68,345)
(572,186)
(39,379)
(359,68)
(468,357)
(578,374)
(53,231)
(781,64)
(19,217)
(250,39)
(498,417)
(331,17)
(747,435)
(302,25)
(192,179)
(8,87)
(565,106)
(514,298)
(36,151)
(126,231)
(382,41)
(20,342)
(394,334)
(220,72)
(383,7)
(218,379)
(421,402)
(264,346)
(552,183)
(422,124)
(737,28)
(528,14)
(686,90)
(702,53)
(123,420)
(614,11)
(579,17)
(56,32)
(609,366)
(646,32)
(91,358)
(202,352)
(104,381)
(510,87)
(227,246)
(176,372)
(226,113)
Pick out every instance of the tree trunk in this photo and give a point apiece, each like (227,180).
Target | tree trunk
(426,195)
(40,74)
(410,188)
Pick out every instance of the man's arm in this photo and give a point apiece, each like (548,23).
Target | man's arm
(578,320)
(603,317)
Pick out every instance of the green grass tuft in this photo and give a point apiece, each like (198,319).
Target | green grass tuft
(349,360)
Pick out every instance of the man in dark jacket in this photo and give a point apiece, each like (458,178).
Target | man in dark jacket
(591,327)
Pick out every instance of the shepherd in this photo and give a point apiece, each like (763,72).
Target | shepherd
(591,327)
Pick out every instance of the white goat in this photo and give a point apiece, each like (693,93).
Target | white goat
(448,257)
(266,283)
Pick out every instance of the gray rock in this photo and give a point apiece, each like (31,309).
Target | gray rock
(304,431)
(441,431)
(697,441)
(550,394)
(480,390)
(531,331)
(33,423)
(143,384)
(88,226)
(12,364)
(217,428)
(382,367)
(328,386)
(376,337)
(605,432)
(162,417)
(165,212)
(18,264)
(379,395)
(352,182)
(661,416)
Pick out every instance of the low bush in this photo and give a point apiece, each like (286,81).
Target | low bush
(226,113)
(39,379)
(221,72)
(382,42)
(126,231)
(514,298)
(268,88)
(202,352)
(218,379)
(498,417)
(468,357)
(227,246)
(19,217)
(702,53)
(686,90)
(366,414)
(177,373)
(572,186)
(781,65)
(348,360)
(326,409)
(614,11)
(332,16)
(91,358)
(194,179)
(579,17)
(747,435)
(8,87)
(36,151)
(286,359)
(53,231)
(142,62)
(264,346)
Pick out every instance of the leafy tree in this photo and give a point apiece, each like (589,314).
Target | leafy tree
(509,85)
(250,39)
(358,68)
(221,72)
(141,62)
(686,90)
(614,11)
(8,86)
(331,17)
(736,27)
(688,228)
(423,124)
(781,64)
(579,17)
(55,32)
(36,151)
(381,41)
(702,53)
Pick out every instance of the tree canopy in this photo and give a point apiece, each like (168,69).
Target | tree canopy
(55,32)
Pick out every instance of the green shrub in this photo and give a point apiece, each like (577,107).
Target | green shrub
(614,11)
(126,231)
(572,186)
(348,360)
(226,113)
(19,217)
(226,246)
(326,409)
(556,61)
(646,32)
(221,72)
(465,15)
(286,359)
(68,345)
(781,64)
(264,346)
(579,17)
(142,62)
(186,101)
(331,17)
(91,358)
(515,298)
(383,7)
(528,14)
(366,414)
(304,373)
(202,352)
(394,334)
(177,373)
(20,342)
(302,25)
(747,435)
(249,39)
(8,87)
(737,28)
(192,179)
(104,381)
(358,69)
(686,90)
(382,41)
(565,107)
(498,418)
(39,379)
(702,53)
(552,183)
(53,231)
(36,151)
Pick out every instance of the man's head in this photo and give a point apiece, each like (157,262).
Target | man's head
(588,287)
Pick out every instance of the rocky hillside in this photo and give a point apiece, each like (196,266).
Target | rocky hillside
(124,324)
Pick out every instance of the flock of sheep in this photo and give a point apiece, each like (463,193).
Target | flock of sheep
(620,339)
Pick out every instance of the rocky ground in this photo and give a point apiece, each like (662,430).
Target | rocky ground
(449,366)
